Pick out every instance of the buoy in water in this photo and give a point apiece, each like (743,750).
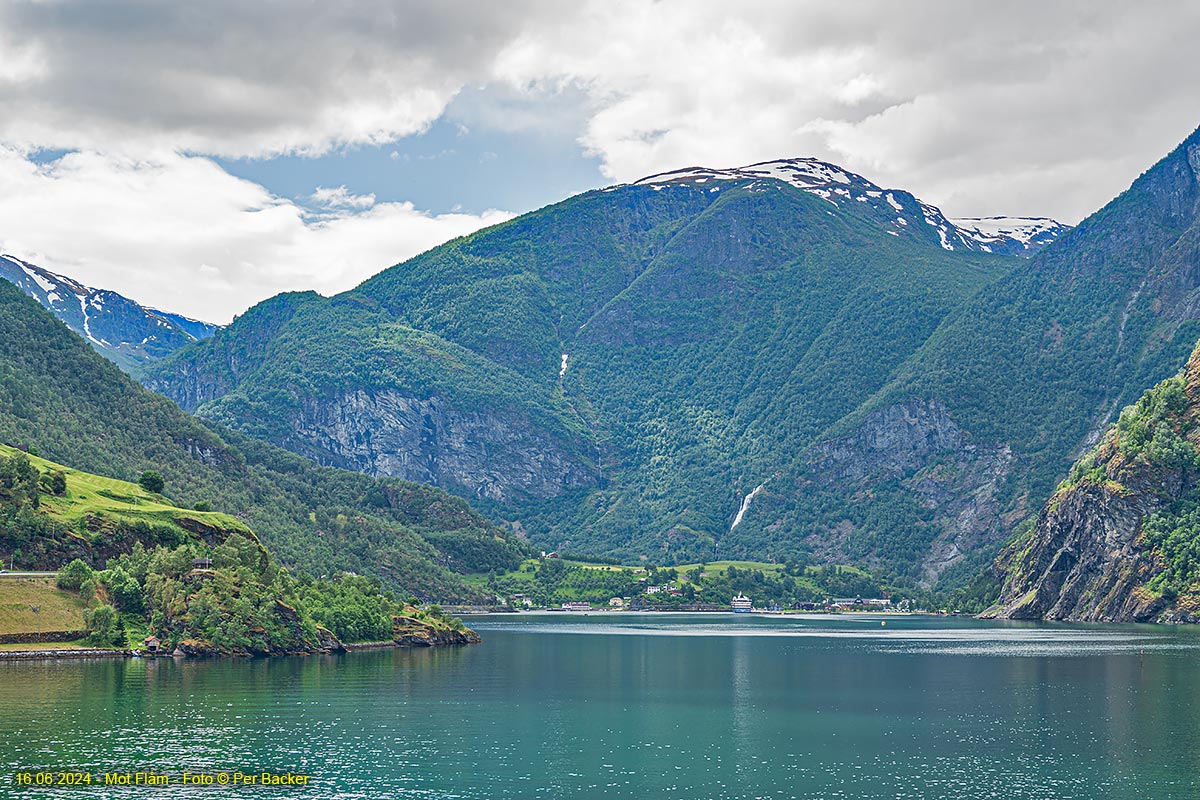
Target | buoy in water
(883,623)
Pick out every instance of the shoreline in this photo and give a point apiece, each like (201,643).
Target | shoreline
(79,653)
(52,654)
(756,613)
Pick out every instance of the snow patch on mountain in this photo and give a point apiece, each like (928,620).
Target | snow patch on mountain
(118,327)
(38,279)
(1011,235)
(87,328)
(1027,232)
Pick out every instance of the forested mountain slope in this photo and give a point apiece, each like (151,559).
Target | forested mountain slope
(60,398)
(614,373)
(971,434)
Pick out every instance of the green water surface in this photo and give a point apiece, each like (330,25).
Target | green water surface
(642,706)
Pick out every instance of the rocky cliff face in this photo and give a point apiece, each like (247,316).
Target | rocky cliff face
(1084,561)
(918,444)
(491,454)
(1113,544)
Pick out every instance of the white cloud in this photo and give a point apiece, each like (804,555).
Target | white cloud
(147,227)
(232,78)
(1016,107)
(942,97)
(22,62)
(340,197)
(996,108)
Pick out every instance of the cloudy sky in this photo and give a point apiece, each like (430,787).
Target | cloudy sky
(202,156)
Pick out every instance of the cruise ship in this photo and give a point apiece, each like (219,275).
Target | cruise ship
(577,605)
(742,604)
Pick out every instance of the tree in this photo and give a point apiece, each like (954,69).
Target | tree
(71,576)
(124,590)
(152,481)
(104,626)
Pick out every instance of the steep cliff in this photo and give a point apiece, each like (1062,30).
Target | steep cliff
(496,454)
(1120,538)
(911,456)
(346,385)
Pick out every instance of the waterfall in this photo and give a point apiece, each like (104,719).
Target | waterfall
(745,505)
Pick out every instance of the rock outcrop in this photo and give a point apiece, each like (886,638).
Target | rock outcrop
(920,445)
(431,637)
(1098,552)
(1083,562)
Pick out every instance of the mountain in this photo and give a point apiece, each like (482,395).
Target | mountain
(60,398)
(969,436)
(781,360)
(623,372)
(1117,541)
(118,328)
(895,209)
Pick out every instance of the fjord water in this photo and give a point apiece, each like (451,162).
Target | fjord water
(644,705)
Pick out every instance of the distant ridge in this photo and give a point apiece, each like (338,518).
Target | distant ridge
(118,328)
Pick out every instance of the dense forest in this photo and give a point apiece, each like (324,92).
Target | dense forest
(232,599)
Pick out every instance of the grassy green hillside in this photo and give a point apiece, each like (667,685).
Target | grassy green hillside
(45,524)
(87,495)
(58,610)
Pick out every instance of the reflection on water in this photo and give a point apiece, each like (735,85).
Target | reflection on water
(641,705)
(886,632)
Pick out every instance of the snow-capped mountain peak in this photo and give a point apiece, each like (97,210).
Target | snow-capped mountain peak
(811,174)
(113,324)
(899,210)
